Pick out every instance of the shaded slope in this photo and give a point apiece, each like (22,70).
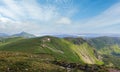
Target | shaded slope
(109,48)
(101,42)
(106,45)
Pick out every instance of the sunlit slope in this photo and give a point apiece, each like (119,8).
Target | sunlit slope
(61,49)
(85,51)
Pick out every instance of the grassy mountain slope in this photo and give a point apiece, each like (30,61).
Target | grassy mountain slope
(4,41)
(56,47)
(101,42)
(109,48)
(84,50)
(106,45)
(25,62)
(61,49)
(86,53)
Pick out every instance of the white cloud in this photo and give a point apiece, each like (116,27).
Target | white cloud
(24,15)
(4,20)
(31,16)
(40,12)
(111,16)
(15,27)
(27,9)
(64,20)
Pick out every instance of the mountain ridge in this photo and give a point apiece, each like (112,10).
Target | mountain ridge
(61,49)
(3,35)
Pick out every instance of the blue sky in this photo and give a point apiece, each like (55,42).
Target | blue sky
(59,16)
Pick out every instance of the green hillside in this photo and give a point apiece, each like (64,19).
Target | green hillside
(86,54)
(60,49)
(27,62)
(4,41)
(101,42)
(109,48)
(84,50)
(106,45)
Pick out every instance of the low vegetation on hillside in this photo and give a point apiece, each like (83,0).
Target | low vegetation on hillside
(52,54)
(26,62)
(109,48)
(61,49)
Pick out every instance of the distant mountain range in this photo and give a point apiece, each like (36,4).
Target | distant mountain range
(86,35)
(3,35)
(90,35)
(22,34)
